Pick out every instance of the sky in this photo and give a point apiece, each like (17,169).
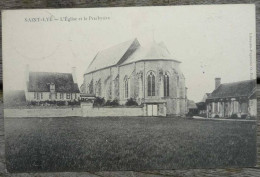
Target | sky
(210,41)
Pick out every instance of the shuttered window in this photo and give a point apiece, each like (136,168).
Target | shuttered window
(68,96)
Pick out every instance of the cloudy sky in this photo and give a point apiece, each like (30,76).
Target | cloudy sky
(210,41)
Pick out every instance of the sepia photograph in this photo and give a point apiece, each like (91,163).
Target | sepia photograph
(130,88)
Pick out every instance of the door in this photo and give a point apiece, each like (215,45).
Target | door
(152,110)
(155,110)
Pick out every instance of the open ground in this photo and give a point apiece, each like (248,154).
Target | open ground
(127,143)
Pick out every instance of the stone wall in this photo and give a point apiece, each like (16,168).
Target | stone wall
(86,110)
(61,112)
(89,111)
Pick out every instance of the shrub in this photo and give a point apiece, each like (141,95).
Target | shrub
(216,116)
(73,103)
(99,101)
(234,116)
(60,103)
(115,102)
(33,103)
(108,103)
(189,115)
(243,116)
(252,117)
(131,102)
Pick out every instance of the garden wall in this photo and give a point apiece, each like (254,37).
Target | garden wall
(61,112)
(86,110)
(89,111)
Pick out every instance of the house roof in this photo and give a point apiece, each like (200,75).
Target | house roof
(234,89)
(128,52)
(205,97)
(191,104)
(40,82)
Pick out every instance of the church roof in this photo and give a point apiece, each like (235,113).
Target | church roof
(129,52)
(112,56)
(154,51)
(234,89)
(40,82)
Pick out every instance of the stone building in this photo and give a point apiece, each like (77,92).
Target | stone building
(49,86)
(150,75)
(236,99)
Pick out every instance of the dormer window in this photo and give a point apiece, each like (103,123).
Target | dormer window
(52,87)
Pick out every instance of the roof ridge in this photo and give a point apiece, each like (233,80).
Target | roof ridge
(48,72)
(118,44)
(113,47)
(237,82)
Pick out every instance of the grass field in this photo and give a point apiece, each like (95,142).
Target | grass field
(127,143)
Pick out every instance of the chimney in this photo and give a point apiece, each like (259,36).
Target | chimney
(217,82)
(74,74)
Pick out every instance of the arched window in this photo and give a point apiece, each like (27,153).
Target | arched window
(98,88)
(151,84)
(166,85)
(126,88)
(91,87)
(178,81)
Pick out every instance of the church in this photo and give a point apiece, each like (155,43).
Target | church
(147,74)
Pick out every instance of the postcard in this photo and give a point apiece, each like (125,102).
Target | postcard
(130,88)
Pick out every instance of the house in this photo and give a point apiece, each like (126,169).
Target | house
(51,86)
(236,99)
(202,106)
(148,74)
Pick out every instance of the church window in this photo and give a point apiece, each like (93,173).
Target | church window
(98,88)
(151,84)
(140,85)
(126,87)
(91,90)
(166,85)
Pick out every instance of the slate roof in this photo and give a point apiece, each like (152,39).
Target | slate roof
(111,56)
(128,52)
(40,82)
(234,89)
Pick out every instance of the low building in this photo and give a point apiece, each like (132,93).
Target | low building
(192,108)
(51,86)
(202,106)
(236,99)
